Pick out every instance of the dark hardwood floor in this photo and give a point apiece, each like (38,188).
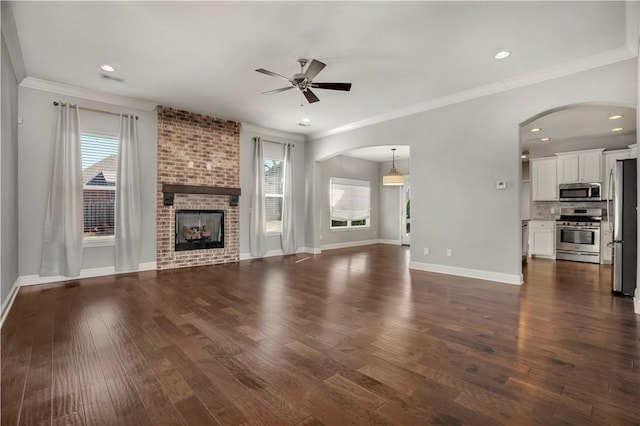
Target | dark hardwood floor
(347,337)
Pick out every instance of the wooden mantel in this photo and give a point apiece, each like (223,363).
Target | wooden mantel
(169,189)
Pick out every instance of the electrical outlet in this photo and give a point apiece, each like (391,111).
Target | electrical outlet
(448,252)
(191,164)
(426,251)
(209,166)
(553,210)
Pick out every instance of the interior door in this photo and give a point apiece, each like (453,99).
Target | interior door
(405,212)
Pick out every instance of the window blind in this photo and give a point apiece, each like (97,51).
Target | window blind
(350,199)
(99,179)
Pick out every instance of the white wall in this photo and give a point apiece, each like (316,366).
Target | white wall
(35,137)
(8,177)
(458,152)
(247,133)
(390,199)
(350,168)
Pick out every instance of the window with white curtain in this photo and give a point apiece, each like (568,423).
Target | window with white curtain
(273,188)
(99,180)
(350,203)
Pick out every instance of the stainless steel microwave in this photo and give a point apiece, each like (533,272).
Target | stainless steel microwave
(579,192)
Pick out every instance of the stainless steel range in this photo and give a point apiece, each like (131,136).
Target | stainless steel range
(578,235)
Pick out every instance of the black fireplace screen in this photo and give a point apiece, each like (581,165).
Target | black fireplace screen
(199,229)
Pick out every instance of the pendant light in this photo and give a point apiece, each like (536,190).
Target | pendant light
(393,178)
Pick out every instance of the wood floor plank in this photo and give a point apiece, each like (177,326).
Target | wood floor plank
(350,336)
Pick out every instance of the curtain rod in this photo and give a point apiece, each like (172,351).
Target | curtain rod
(56,103)
(280,143)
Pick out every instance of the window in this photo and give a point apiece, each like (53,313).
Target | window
(350,202)
(99,171)
(273,178)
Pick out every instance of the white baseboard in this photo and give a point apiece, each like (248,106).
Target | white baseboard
(470,273)
(392,242)
(272,253)
(26,280)
(636,301)
(310,250)
(6,304)
(348,244)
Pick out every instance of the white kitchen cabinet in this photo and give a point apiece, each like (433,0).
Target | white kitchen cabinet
(542,238)
(544,183)
(606,236)
(580,166)
(609,162)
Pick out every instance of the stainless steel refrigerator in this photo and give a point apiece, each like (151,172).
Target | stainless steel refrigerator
(625,226)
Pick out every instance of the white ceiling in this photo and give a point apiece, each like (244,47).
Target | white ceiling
(379,153)
(585,121)
(201,56)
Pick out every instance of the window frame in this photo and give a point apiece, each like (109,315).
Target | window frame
(349,226)
(274,195)
(91,241)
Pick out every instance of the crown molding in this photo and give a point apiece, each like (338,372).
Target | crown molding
(10,33)
(89,94)
(584,64)
(253,128)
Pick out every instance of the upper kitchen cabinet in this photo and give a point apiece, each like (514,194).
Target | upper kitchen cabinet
(544,183)
(609,159)
(580,166)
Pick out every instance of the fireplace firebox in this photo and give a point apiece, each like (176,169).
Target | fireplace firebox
(199,229)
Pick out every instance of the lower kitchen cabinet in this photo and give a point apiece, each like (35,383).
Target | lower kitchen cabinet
(542,238)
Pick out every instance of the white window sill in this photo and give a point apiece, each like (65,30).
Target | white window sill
(353,228)
(273,233)
(90,242)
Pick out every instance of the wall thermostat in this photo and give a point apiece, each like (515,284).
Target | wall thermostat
(501,184)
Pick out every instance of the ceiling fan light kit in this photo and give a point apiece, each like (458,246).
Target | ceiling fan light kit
(303,81)
(393,178)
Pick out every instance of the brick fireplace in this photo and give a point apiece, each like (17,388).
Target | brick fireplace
(195,149)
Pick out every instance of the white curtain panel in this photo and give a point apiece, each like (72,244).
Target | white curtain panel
(128,204)
(257,215)
(63,228)
(287,237)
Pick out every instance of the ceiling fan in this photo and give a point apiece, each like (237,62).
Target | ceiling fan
(303,81)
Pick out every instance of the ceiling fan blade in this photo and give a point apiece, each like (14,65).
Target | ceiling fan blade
(272,74)
(314,68)
(282,89)
(332,86)
(311,97)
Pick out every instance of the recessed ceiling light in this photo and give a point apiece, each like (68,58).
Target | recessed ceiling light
(502,54)
(535,129)
(545,139)
(617,129)
(616,117)
(305,120)
(107,68)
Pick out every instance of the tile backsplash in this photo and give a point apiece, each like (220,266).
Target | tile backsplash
(541,210)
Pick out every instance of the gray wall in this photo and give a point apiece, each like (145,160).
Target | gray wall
(34,165)
(390,202)
(351,168)
(247,133)
(8,177)
(458,153)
